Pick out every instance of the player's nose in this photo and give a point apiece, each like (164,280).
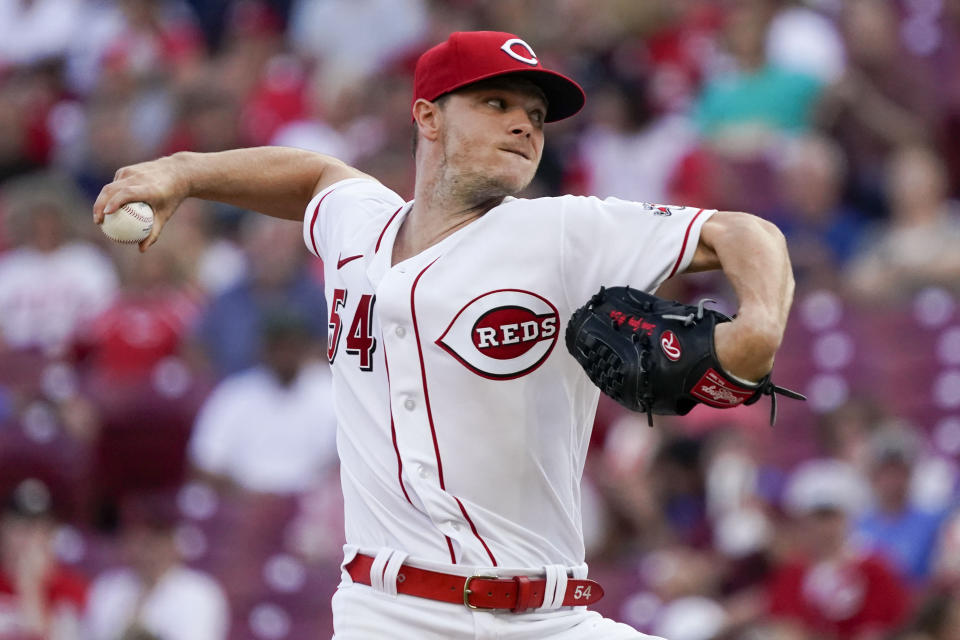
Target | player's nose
(521,121)
(522,127)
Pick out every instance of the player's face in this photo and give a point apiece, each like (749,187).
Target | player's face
(493,137)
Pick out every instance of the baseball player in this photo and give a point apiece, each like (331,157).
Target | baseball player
(463,429)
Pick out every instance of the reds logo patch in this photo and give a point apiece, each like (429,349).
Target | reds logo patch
(502,334)
(670,345)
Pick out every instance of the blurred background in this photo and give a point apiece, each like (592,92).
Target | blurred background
(167,458)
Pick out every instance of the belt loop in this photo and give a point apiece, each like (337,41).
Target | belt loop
(525,595)
(378,567)
(561,592)
(556,587)
(391,574)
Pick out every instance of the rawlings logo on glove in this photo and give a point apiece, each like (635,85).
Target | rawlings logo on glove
(613,337)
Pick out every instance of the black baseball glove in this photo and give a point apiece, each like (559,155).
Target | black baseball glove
(657,356)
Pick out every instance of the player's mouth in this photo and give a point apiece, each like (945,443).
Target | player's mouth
(516,152)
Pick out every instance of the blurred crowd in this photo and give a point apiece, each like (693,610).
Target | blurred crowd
(167,456)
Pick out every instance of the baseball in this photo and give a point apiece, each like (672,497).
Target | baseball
(130,223)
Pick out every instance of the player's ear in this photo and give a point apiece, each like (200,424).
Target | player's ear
(427,116)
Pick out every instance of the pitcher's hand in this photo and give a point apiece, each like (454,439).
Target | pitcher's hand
(160,183)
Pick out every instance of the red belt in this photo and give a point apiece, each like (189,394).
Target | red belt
(483,593)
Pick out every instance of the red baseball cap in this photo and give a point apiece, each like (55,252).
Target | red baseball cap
(469,56)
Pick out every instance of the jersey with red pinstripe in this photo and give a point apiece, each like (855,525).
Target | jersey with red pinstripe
(462,429)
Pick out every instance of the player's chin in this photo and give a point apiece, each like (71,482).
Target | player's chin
(496,180)
(514,180)
(512,186)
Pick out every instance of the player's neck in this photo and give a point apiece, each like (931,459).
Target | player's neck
(436,214)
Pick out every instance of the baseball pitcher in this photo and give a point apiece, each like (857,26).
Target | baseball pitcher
(463,419)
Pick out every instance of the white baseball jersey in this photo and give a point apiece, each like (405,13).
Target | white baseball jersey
(463,423)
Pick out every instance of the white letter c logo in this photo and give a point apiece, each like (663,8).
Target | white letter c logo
(508,49)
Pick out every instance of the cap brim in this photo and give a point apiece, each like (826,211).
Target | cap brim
(564,96)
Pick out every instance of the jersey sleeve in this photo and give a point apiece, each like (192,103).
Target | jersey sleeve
(615,242)
(343,206)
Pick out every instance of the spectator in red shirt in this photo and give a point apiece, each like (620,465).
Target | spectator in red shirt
(829,588)
(144,325)
(38,598)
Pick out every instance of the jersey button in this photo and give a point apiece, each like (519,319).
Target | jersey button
(421,471)
(400,331)
(409,404)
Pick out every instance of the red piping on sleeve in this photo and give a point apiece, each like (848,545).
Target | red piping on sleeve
(683,247)
(313,221)
(385,227)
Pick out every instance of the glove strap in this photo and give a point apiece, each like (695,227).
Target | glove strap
(766,387)
(772,390)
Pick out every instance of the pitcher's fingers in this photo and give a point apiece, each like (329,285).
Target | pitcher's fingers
(147,242)
(120,197)
(127,193)
(102,198)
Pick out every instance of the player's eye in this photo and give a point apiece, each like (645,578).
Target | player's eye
(499,103)
(537,116)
